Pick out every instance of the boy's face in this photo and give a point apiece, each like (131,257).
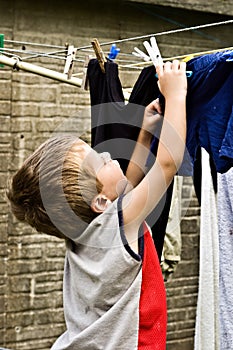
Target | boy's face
(108,171)
(111,177)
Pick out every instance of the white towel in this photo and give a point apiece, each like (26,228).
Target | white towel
(225,221)
(207,318)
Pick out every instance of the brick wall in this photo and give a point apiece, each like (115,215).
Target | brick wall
(182,288)
(215,6)
(31,109)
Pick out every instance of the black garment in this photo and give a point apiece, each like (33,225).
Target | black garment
(144,91)
(115,126)
(197,174)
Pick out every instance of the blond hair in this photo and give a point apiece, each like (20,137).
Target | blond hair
(47,191)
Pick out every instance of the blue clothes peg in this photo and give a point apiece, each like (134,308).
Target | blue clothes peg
(189,73)
(113,52)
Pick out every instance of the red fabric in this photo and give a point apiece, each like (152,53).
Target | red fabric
(152,306)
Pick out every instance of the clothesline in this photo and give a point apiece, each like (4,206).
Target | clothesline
(15,63)
(35,54)
(173,31)
(123,63)
(126,60)
(185,57)
(83,49)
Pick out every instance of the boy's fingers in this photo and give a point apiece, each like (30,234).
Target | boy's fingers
(183,66)
(159,69)
(158,106)
(154,106)
(175,65)
(167,66)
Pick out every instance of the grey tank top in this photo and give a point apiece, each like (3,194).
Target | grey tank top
(102,282)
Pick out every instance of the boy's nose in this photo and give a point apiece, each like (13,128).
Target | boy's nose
(116,163)
(106,157)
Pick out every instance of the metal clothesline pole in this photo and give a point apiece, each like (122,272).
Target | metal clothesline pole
(45,72)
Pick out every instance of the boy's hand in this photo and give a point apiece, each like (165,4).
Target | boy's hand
(172,79)
(152,117)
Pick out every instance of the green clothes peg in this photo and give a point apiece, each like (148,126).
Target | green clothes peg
(1,45)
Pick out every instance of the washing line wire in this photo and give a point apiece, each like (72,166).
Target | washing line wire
(173,31)
(181,57)
(32,44)
(132,63)
(33,55)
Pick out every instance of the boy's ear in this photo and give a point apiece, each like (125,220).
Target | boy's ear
(100,203)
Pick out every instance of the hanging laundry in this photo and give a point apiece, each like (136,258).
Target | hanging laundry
(111,117)
(172,241)
(115,126)
(209,111)
(225,230)
(197,174)
(108,118)
(209,108)
(207,316)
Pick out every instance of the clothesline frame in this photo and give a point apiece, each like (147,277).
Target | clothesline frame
(15,63)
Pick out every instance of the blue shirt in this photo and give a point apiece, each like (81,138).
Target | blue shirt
(209,108)
(209,111)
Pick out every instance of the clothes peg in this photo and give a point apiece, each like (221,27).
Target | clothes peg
(1,45)
(138,53)
(188,58)
(99,54)
(69,65)
(153,51)
(155,55)
(113,52)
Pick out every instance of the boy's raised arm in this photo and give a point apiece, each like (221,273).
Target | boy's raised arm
(138,203)
(152,121)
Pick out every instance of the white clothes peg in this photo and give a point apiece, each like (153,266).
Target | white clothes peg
(70,57)
(153,51)
(138,53)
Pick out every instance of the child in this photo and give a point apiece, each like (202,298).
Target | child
(114,295)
